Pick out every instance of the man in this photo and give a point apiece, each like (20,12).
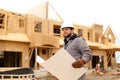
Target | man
(76,47)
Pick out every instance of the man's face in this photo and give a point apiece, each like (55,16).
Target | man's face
(67,32)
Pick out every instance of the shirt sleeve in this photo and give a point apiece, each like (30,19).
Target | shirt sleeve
(84,50)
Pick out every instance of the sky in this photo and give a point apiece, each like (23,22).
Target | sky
(83,12)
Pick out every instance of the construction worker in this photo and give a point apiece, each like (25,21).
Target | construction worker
(76,47)
(98,69)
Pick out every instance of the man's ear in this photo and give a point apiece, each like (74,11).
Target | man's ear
(72,30)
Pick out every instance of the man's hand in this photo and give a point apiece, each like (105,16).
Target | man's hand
(78,63)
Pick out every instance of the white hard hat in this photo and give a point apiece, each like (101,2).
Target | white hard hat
(67,24)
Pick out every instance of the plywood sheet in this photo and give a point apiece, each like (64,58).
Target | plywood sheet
(60,66)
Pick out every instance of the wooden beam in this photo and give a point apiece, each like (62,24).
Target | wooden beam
(30,54)
(109,58)
(35,66)
(56,12)
(108,55)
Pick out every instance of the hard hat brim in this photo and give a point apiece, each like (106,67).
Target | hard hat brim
(68,27)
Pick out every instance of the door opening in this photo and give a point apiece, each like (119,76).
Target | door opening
(10,59)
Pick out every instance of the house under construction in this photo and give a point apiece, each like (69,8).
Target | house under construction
(24,36)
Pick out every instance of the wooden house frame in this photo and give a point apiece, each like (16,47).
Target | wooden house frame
(23,37)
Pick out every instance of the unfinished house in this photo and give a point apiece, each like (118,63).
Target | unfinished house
(44,41)
(101,43)
(43,32)
(24,37)
(14,42)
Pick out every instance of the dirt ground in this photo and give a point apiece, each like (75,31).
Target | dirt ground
(103,77)
(106,76)
(92,76)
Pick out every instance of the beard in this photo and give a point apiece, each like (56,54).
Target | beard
(69,35)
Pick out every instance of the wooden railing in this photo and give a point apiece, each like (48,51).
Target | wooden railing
(21,73)
(17,77)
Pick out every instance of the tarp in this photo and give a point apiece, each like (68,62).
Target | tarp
(18,71)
